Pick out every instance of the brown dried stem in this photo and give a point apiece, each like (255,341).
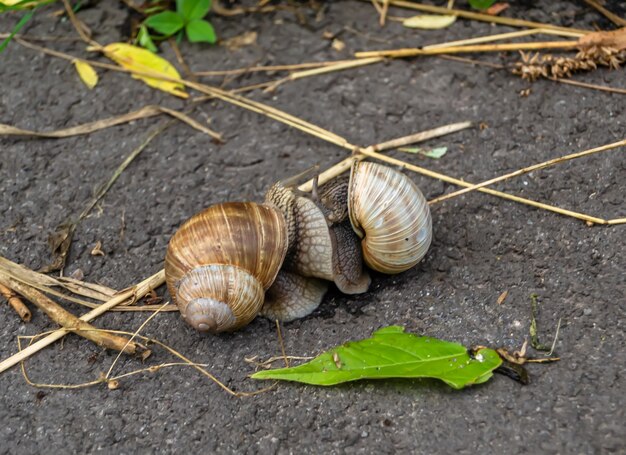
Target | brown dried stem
(269,68)
(445,178)
(479,16)
(602,88)
(67,320)
(133,293)
(16,303)
(345,164)
(605,12)
(503,36)
(411,52)
(316,131)
(78,25)
(528,169)
(103,378)
(90,127)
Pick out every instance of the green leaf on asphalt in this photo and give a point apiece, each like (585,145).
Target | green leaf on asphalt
(392,353)
(435,153)
(200,31)
(167,22)
(193,9)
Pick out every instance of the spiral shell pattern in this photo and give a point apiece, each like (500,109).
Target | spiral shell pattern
(250,239)
(391,215)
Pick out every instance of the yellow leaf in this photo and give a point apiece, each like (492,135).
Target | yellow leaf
(429,21)
(141,60)
(86,72)
(22,6)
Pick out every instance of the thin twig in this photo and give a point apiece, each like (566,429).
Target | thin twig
(213,91)
(147,340)
(78,25)
(603,88)
(47,284)
(383,13)
(528,169)
(605,12)
(345,164)
(181,61)
(90,127)
(282,343)
(456,58)
(479,16)
(67,320)
(411,52)
(16,303)
(448,179)
(108,374)
(503,36)
(327,135)
(132,293)
(269,68)
(556,337)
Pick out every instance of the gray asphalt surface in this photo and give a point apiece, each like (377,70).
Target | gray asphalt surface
(483,245)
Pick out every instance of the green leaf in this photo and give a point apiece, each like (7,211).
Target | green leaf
(481,4)
(144,39)
(200,31)
(193,9)
(167,22)
(435,153)
(391,353)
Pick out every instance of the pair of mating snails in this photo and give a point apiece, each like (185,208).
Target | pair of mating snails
(235,260)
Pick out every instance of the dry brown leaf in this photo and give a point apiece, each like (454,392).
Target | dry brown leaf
(45,282)
(496,8)
(338,45)
(60,242)
(239,41)
(97,249)
(615,39)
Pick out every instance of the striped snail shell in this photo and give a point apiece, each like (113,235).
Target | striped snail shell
(389,212)
(221,261)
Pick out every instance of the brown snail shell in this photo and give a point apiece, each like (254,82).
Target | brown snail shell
(220,262)
(391,215)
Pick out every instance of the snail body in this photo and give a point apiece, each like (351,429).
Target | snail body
(235,260)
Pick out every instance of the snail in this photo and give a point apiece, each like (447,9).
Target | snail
(235,260)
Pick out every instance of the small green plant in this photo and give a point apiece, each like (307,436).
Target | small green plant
(481,4)
(188,17)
